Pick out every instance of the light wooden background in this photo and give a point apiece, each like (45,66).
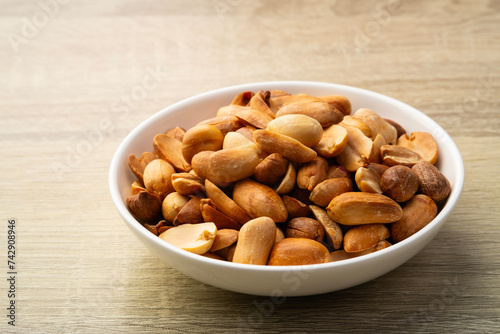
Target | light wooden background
(76,76)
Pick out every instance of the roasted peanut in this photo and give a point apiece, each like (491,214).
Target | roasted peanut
(377,125)
(303,227)
(255,241)
(421,142)
(302,128)
(188,184)
(145,207)
(195,238)
(271,170)
(291,149)
(225,204)
(137,165)
(203,137)
(170,150)
(323,112)
(341,103)
(399,182)
(363,237)
(431,181)
(157,178)
(393,155)
(333,232)
(224,238)
(357,208)
(325,191)
(259,200)
(333,141)
(295,208)
(172,205)
(417,213)
(312,173)
(368,180)
(210,214)
(298,251)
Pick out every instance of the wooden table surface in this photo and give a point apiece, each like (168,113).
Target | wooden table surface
(69,69)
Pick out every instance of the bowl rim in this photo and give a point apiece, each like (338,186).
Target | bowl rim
(134,225)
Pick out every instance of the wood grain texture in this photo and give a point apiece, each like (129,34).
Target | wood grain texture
(80,77)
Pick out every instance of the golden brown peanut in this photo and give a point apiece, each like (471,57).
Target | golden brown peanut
(259,200)
(172,205)
(368,180)
(224,238)
(400,130)
(137,165)
(393,155)
(377,125)
(431,181)
(254,118)
(340,102)
(201,166)
(289,148)
(323,112)
(298,251)
(225,123)
(188,184)
(157,178)
(145,207)
(279,235)
(231,109)
(343,255)
(243,98)
(333,141)
(203,137)
(379,168)
(417,213)
(271,170)
(354,122)
(375,155)
(363,237)
(358,208)
(255,241)
(295,208)
(288,182)
(333,232)
(235,163)
(234,139)
(303,227)
(357,151)
(194,238)
(325,191)
(190,213)
(300,127)
(335,171)
(176,133)
(210,214)
(247,131)
(284,99)
(421,142)
(399,182)
(213,256)
(312,173)
(137,187)
(170,150)
(261,103)
(225,204)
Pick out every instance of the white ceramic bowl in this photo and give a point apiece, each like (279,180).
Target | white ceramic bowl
(292,280)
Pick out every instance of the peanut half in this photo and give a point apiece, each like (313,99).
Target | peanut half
(195,238)
(255,241)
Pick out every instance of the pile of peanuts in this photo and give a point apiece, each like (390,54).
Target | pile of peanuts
(287,179)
